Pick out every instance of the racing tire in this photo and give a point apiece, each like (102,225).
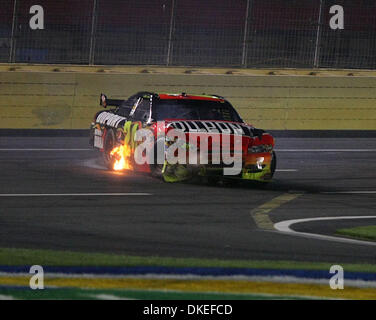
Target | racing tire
(108,145)
(264,184)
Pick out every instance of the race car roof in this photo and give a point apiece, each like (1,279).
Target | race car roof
(183,95)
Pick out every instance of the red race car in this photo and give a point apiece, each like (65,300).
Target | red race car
(178,136)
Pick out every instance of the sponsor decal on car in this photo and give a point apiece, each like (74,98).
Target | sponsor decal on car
(212,127)
(109,119)
(98,138)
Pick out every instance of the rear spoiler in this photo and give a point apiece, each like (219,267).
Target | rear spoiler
(104,102)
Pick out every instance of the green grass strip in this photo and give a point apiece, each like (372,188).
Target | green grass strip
(19,257)
(95,294)
(365,233)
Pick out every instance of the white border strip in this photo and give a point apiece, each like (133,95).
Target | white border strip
(350,192)
(72,194)
(278,150)
(284,226)
(325,150)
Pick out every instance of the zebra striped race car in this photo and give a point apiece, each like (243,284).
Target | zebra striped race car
(178,136)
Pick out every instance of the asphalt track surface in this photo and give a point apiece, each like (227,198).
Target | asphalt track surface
(183,220)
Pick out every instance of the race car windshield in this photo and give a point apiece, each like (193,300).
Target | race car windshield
(194,110)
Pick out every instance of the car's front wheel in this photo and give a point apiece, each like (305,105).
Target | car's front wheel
(156,165)
(273,163)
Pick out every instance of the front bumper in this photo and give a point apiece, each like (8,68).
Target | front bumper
(255,167)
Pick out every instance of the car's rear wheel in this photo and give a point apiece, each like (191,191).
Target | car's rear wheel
(108,145)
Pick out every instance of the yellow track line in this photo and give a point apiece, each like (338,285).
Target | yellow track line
(260,214)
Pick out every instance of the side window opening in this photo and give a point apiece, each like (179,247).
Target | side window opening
(124,109)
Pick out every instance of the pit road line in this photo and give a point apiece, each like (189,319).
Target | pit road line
(72,194)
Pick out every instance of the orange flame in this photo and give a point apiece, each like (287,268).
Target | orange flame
(122,155)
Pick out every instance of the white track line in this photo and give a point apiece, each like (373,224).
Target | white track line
(108,297)
(72,194)
(284,226)
(6,297)
(278,150)
(351,192)
(325,150)
(45,149)
(286,170)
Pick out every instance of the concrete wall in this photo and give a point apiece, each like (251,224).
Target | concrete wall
(48,97)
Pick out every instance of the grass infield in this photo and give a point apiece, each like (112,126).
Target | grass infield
(364,233)
(22,257)
(119,294)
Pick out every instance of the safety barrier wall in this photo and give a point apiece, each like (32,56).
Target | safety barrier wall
(47,97)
